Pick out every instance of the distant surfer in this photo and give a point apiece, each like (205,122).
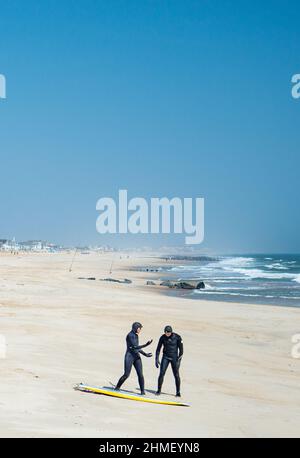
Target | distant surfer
(172,354)
(132,357)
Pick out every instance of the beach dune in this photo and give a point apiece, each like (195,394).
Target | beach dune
(237,371)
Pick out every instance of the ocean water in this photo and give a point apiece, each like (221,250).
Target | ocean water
(264,279)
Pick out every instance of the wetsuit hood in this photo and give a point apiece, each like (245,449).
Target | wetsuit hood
(168,329)
(136,325)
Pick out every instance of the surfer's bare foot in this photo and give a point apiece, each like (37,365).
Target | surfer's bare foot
(178,395)
(143,393)
(158,393)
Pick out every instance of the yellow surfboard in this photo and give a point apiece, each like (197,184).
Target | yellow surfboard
(124,395)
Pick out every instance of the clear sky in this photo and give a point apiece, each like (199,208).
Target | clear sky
(162,98)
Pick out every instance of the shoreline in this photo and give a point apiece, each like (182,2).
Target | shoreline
(167,273)
(60,331)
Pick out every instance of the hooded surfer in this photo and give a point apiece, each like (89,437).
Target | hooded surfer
(172,354)
(132,357)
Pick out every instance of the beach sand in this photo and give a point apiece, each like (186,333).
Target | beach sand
(237,371)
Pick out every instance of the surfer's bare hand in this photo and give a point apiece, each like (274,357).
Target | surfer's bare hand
(157,364)
(149,342)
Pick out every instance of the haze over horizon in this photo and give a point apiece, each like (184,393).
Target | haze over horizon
(168,99)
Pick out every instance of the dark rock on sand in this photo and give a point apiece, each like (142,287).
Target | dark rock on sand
(167,283)
(126,280)
(200,285)
(184,284)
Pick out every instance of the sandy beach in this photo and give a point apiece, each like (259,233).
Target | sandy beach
(237,371)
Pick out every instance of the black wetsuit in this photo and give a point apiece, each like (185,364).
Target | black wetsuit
(132,358)
(172,353)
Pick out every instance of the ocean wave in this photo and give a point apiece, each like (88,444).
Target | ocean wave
(225,279)
(232,288)
(273,278)
(202,291)
(276,265)
(290,297)
(267,296)
(238,261)
(258,273)
(187,268)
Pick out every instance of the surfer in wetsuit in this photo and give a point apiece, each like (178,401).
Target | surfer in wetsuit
(132,357)
(172,354)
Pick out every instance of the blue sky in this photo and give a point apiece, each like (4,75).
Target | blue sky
(163,98)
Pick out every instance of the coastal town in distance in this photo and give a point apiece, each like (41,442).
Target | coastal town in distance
(39,246)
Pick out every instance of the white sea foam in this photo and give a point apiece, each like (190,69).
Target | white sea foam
(202,291)
(276,265)
(258,273)
(253,277)
(232,288)
(239,261)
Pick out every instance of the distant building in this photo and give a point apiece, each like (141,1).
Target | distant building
(102,249)
(9,245)
(29,245)
(39,246)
